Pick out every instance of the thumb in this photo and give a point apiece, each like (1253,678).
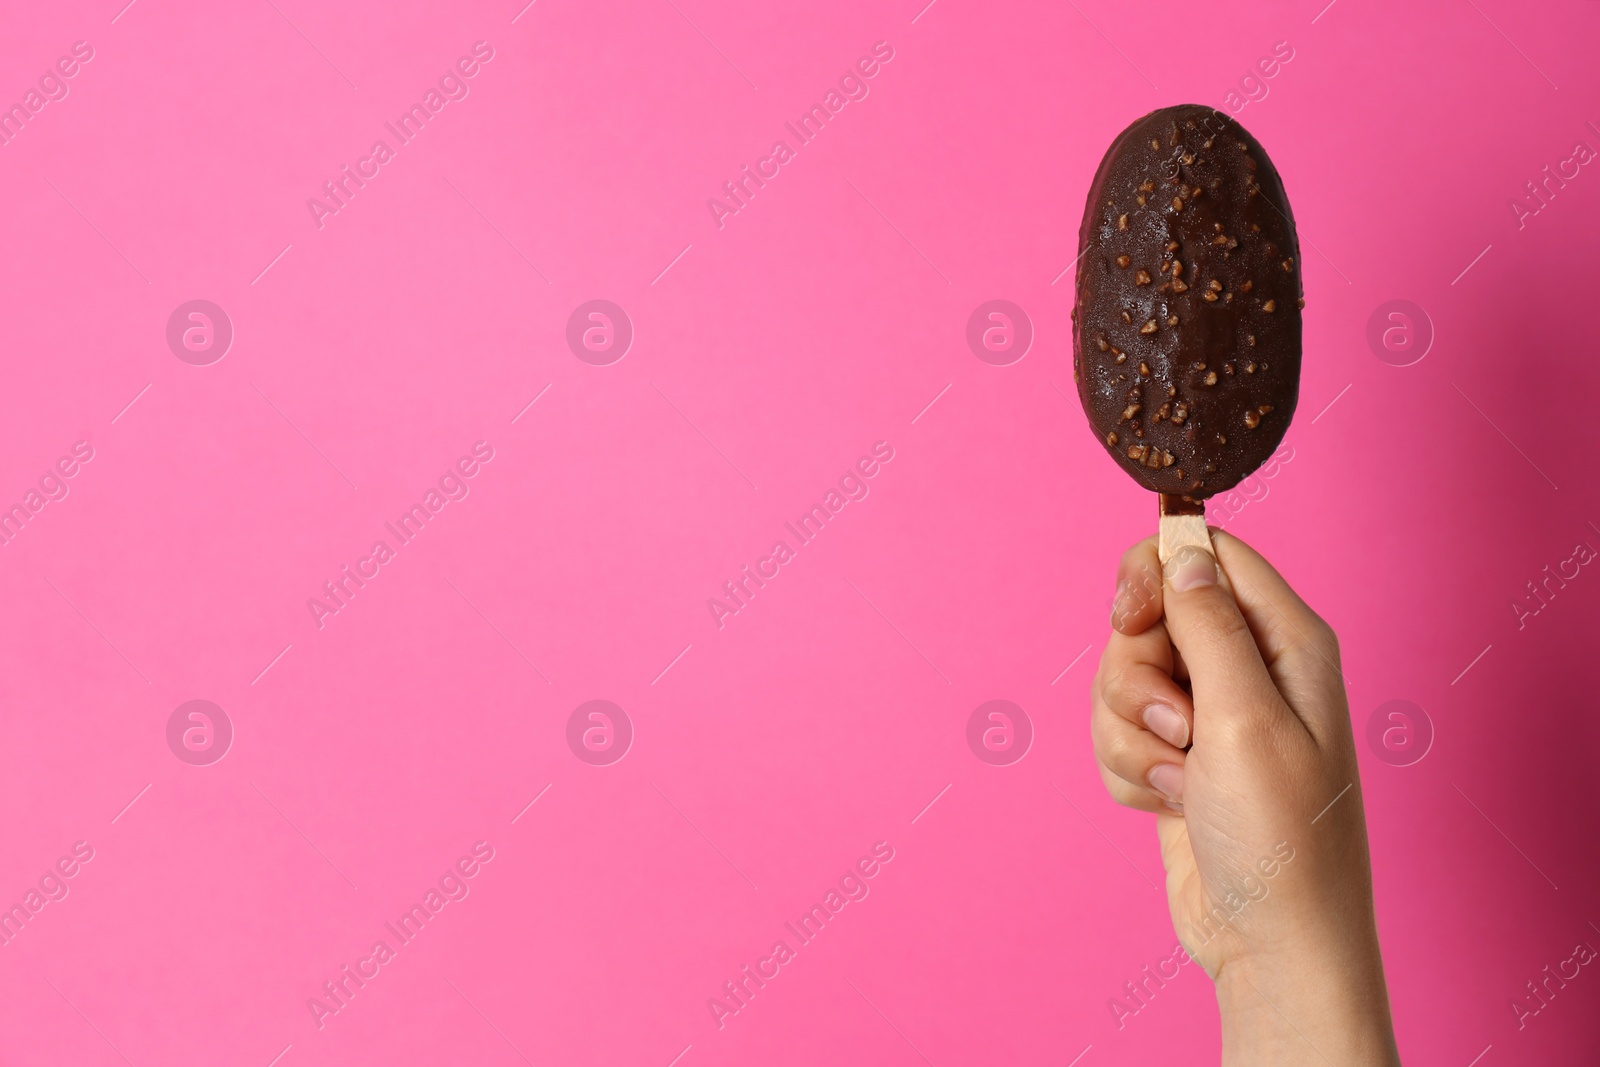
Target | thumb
(1227,675)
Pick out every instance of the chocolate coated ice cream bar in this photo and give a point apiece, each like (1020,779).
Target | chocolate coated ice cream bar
(1186,333)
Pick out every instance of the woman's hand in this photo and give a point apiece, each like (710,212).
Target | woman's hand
(1220,706)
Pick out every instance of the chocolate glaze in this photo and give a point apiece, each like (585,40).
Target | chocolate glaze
(1190,393)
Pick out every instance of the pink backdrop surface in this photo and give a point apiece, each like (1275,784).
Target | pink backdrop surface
(183,488)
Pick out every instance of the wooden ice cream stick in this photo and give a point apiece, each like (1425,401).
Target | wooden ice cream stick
(1183,522)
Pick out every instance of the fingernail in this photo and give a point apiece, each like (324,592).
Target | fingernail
(1174,807)
(1167,724)
(1167,779)
(1191,568)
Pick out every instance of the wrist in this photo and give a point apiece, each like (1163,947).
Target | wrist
(1314,1003)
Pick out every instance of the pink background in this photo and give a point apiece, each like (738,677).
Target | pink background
(769,354)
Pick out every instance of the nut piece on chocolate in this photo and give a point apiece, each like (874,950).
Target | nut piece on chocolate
(1186,335)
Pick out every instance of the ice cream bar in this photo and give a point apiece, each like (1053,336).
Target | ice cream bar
(1186,333)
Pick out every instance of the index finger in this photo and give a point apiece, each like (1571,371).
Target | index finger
(1279,620)
(1137,606)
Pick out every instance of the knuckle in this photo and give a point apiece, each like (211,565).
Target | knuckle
(1330,640)
(1117,751)
(1109,661)
(1251,728)
(1113,686)
(1237,732)
(1221,620)
(1320,636)
(1131,796)
(1101,721)
(1126,794)
(1125,689)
